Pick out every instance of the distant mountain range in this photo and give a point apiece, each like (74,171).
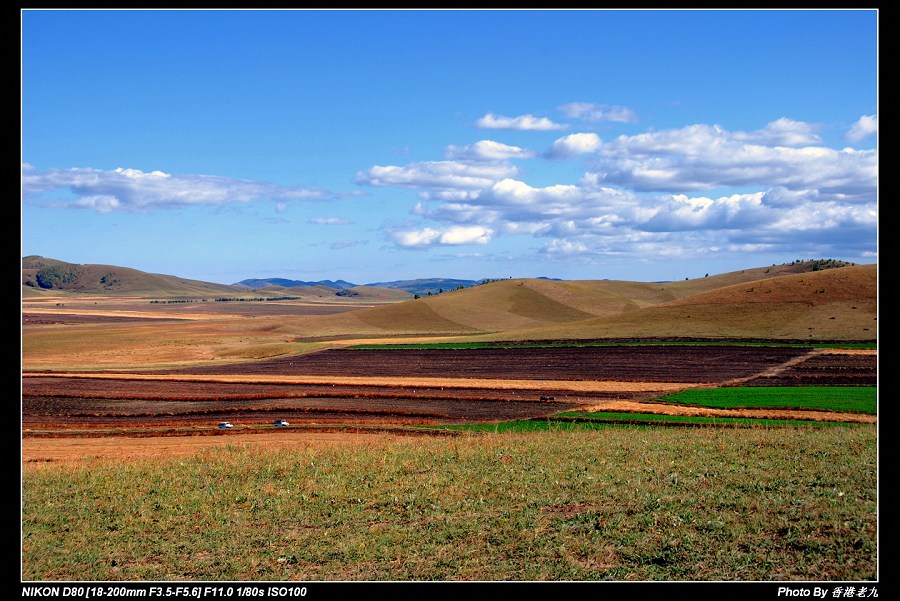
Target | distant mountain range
(256,283)
(420,286)
(43,274)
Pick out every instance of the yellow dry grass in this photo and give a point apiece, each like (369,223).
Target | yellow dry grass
(38,453)
(835,304)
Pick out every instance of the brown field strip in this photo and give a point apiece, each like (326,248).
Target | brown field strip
(848,351)
(407,382)
(762,413)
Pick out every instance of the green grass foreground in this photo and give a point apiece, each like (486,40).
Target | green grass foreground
(578,420)
(859,399)
(622,503)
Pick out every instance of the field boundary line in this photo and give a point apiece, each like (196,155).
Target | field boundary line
(406,382)
(747,412)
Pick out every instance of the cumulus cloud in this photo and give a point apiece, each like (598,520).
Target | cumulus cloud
(441,175)
(452,236)
(486,150)
(864,127)
(692,191)
(588,111)
(681,213)
(135,190)
(782,132)
(565,247)
(516,193)
(573,144)
(701,157)
(522,122)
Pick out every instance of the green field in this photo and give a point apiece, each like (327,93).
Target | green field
(620,503)
(859,399)
(574,420)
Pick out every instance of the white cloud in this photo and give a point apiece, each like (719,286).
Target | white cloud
(341,244)
(782,132)
(452,236)
(486,150)
(574,144)
(680,212)
(864,127)
(517,193)
(565,247)
(522,122)
(330,221)
(414,239)
(437,174)
(588,111)
(136,190)
(473,234)
(100,203)
(701,157)
(658,193)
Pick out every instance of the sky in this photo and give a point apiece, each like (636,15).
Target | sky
(381,145)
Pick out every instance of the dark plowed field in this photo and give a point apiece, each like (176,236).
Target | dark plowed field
(37,410)
(59,404)
(825,370)
(689,363)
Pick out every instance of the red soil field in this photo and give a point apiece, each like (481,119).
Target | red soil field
(71,417)
(54,405)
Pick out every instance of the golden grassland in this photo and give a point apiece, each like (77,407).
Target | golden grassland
(834,304)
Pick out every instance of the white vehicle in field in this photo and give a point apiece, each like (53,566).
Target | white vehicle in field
(281,423)
(225,425)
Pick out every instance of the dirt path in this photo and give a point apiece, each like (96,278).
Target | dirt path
(777,369)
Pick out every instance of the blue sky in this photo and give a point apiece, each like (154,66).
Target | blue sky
(381,145)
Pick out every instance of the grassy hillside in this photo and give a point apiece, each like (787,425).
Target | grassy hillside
(40,273)
(822,305)
(773,302)
(835,304)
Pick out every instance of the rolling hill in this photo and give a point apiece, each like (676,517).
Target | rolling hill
(43,274)
(798,302)
(821,300)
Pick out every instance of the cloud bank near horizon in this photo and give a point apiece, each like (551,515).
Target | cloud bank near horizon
(691,191)
(134,190)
